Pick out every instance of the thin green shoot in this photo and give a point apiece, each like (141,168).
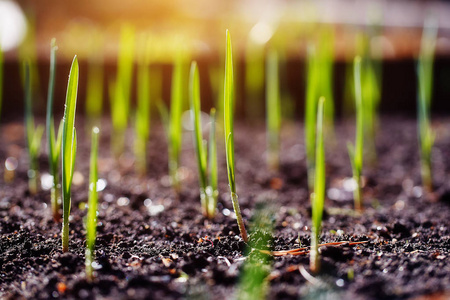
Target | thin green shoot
(175,130)
(425,86)
(142,124)
(229,134)
(120,90)
(33,134)
(69,147)
(370,91)
(94,91)
(273,111)
(212,191)
(312,94)
(208,185)
(318,197)
(91,222)
(356,153)
(53,140)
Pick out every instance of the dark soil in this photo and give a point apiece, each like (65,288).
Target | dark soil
(163,248)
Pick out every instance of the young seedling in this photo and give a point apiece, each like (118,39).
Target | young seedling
(53,141)
(318,196)
(425,86)
(120,90)
(273,111)
(229,134)
(142,115)
(69,148)
(208,186)
(356,153)
(33,135)
(312,94)
(91,222)
(175,130)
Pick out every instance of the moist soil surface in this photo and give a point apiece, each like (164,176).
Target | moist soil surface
(154,243)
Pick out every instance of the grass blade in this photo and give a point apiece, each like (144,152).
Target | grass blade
(318,197)
(52,144)
(194,92)
(425,86)
(212,164)
(91,222)
(228,130)
(68,148)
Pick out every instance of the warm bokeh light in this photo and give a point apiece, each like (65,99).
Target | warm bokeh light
(12,25)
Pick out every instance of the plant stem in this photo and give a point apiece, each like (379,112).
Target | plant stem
(240,221)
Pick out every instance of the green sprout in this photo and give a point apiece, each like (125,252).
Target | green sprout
(91,222)
(370,91)
(229,134)
(425,86)
(356,154)
(273,111)
(311,115)
(53,141)
(318,196)
(94,91)
(208,186)
(175,130)
(33,135)
(142,124)
(120,90)
(69,148)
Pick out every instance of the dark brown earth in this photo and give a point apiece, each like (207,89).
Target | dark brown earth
(144,253)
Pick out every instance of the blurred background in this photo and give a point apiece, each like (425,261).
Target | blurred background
(388,31)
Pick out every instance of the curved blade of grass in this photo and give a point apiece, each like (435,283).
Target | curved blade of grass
(200,145)
(318,197)
(68,148)
(52,143)
(91,223)
(356,155)
(229,138)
